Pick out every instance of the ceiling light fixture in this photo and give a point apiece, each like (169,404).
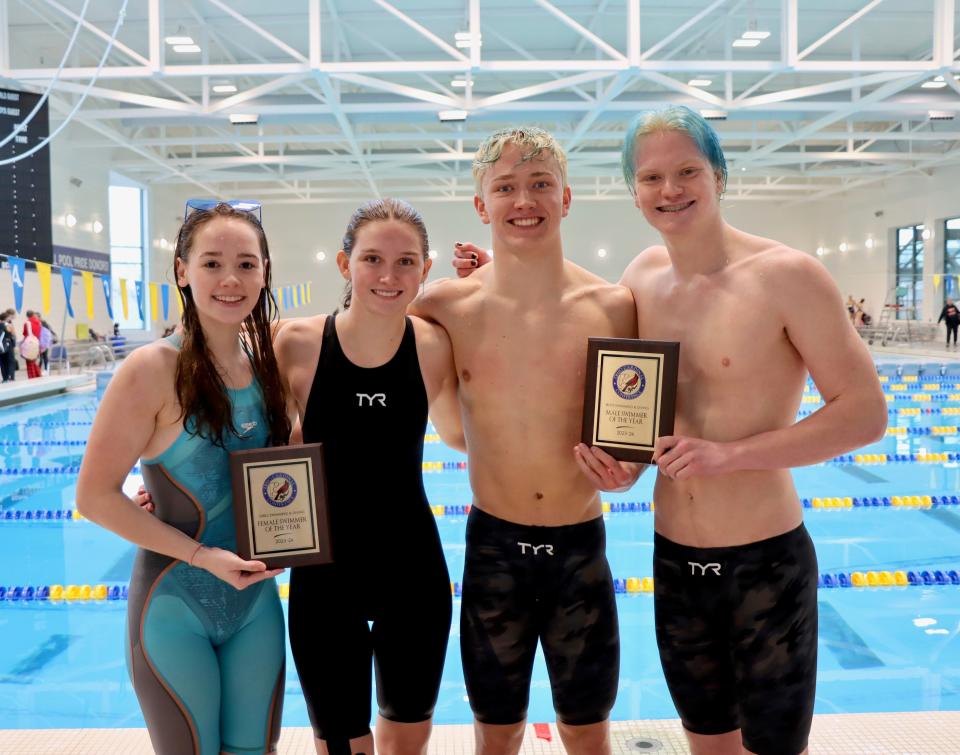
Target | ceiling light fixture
(179,40)
(244,118)
(935,83)
(186,48)
(746,42)
(699,82)
(714,115)
(464,39)
(461,84)
(224,88)
(940,115)
(754,34)
(452,115)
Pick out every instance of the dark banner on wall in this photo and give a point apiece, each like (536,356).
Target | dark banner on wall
(25,229)
(82,259)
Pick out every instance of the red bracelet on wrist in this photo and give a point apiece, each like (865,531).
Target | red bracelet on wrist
(194,555)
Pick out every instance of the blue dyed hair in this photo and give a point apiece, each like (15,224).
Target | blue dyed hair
(675,118)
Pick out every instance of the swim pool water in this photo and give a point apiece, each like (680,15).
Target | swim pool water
(881,649)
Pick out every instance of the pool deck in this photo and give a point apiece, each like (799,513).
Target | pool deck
(19,390)
(839,734)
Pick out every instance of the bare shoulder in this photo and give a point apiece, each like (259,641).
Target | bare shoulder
(299,332)
(612,299)
(790,268)
(440,295)
(148,373)
(651,258)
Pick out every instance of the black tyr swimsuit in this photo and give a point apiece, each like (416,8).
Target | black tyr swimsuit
(737,633)
(389,566)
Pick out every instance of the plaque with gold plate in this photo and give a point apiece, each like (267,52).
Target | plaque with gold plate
(630,395)
(280,505)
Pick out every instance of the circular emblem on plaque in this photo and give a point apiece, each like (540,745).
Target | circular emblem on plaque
(629,381)
(279,489)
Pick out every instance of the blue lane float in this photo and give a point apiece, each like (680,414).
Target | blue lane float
(102,594)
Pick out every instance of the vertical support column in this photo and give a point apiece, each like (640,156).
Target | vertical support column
(155,34)
(205,61)
(943,24)
(475,35)
(4,40)
(314,22)
(933,260)
(788,33)
(633,33)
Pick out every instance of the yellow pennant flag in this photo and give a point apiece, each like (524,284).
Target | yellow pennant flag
(43,273)
(154,298)
(123,297)
(88,291)
(936,281)
(303,294)
(308,293)
(179,301)
(296,291)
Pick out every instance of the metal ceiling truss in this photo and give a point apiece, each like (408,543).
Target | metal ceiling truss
(825,112)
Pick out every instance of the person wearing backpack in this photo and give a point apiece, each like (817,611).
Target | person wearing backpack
(30,345)
(47,339)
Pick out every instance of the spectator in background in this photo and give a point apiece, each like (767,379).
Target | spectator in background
(860,316)
(47,339)
(851,308)
(30,349)
(951,315)
(8,347)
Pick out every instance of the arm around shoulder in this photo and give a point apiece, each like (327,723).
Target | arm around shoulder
(440,379)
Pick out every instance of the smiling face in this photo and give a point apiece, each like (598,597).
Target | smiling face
(224,268)
(386,266)
(523,200)
(674,184)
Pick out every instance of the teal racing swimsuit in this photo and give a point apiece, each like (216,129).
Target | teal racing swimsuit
(206,660)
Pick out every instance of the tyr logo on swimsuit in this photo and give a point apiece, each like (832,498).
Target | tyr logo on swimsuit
(380,397)
(535,548)
(715,568)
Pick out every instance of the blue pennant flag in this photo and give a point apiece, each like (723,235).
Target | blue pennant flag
(164,298)
(140,300)
(18,270)
(105,282)
(66,275)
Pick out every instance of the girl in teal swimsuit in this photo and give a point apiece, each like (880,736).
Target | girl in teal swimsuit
(205,638)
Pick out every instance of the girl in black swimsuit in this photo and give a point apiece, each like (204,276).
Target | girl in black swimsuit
(362,382)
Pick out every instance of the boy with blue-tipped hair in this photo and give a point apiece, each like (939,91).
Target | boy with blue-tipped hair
(735,571)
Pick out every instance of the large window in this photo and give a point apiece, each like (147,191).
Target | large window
(909,271)
(951,257)
(126,251)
